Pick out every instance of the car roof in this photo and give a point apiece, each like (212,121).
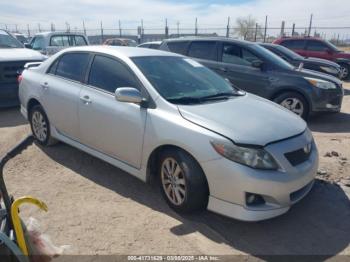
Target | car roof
(300,38)
(152,42)
(219,38)
(46,34)
(121,51)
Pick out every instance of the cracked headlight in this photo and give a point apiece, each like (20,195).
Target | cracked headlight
(320,83)
(252,157)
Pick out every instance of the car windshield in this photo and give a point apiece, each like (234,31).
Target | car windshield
(287,52)
(269,56)
(333,47)
(184,81)
(8,41)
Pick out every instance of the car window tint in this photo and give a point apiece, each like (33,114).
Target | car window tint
(73,66)
(316,46)
(294,44)
(79,40)
(38,43)
(203,50)
(232,54)
(109,74)
(177,47)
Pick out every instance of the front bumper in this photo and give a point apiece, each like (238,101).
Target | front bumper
(229,182)
(328,100)
(8,95)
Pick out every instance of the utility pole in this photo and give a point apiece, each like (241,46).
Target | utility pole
(195,27)
(265,29)
(310,25)
(228,27)
(120,28)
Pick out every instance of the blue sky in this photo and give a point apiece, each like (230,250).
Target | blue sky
(153,12)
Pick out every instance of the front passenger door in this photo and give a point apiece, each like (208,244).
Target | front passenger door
(107,125)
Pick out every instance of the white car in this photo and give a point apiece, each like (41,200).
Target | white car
(154,113)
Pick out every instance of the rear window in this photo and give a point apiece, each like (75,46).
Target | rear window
(73,66)
(203,50)
(177,47)
(294,44)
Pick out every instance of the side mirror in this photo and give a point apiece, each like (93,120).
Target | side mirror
(257,64)
(26,45)
(128,95)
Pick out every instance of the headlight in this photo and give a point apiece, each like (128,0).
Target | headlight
(330,70)
(256,158)
(321,83)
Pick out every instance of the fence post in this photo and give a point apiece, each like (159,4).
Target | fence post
(195,27)
(39,27)
(293,29)
(120,29)
(84,28)
(265,29)
(178,28)
(228,27)
(282,28)
(28,30)
(310,25)
(101,32)
(166,28)
(256,31)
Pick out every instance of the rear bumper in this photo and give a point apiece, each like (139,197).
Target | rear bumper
(9,95)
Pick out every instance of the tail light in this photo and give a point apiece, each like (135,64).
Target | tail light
(19,79)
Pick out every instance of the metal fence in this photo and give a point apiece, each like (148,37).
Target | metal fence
(143,33)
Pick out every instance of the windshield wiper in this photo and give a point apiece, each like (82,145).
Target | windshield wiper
(223,95)
(185,100)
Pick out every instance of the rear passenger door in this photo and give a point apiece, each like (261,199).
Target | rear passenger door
(107,125)
(236,65)
(60,92)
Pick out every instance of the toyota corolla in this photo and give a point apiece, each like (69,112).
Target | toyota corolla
(160,115)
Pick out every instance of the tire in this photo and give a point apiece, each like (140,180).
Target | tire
(40,126)
(345,75)
(294,102)
(189,182)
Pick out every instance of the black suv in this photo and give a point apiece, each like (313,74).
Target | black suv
(254,69)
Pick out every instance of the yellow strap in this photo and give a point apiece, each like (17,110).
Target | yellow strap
(17,222)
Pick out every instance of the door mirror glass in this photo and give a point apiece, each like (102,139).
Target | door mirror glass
(128,95)
(257,64)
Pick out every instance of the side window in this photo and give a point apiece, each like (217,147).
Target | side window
(232,54)
(249,56)
(79,40)
(109,74)
(53,67)
(203,50)
(38,43)
(177,47)
(73,66)
(316,46)
(59,40)
(294,44)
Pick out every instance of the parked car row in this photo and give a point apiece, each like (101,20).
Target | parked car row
(165,117)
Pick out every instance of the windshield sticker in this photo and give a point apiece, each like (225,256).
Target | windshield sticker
(193,63)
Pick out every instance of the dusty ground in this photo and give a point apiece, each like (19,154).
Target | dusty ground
(99,209)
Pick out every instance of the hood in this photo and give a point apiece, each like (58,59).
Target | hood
(20,54)
(319,75)
(247,119)
(321,62)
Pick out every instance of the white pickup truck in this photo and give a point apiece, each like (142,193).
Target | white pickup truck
(13,57)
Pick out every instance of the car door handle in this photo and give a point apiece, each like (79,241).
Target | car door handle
(86,100)
(45,85)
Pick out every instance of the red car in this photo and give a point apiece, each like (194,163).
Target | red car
(317,47)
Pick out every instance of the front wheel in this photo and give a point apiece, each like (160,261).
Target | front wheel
(344,71)
(183,183)
(294,102)
(40,126)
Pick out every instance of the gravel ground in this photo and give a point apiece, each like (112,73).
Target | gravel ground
(99,209)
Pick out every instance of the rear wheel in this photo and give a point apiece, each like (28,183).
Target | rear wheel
(344,71)
(40,126)
(183,183)
(295,103)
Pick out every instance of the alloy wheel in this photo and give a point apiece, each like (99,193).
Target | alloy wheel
(173,181)
(344,72)
(293,104)
(39,126)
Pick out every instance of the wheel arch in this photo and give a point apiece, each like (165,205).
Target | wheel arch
(31,103)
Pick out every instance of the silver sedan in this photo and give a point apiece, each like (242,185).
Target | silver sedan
(162,115)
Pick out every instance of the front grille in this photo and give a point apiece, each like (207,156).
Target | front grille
(9,71)
(298,156)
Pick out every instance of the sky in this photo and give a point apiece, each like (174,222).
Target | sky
(154,12)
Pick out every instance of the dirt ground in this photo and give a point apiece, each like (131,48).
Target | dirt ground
(98,209)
